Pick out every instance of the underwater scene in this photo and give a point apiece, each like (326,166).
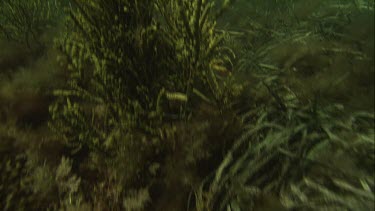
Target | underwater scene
(187,105)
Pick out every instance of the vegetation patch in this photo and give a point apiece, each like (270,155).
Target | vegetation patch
(187,105)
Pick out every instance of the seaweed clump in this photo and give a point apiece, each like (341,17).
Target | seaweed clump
(134,66)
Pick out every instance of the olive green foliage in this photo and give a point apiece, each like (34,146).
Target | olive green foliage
(313,44)
(24,21)
(12,168)
(31,178)
(298,144)
(196,44)
(128,57)
(133,65)
(154,106)
(112,53)
(305,155)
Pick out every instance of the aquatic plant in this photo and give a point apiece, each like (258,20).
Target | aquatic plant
(125,57)
(133,66)
(302,155)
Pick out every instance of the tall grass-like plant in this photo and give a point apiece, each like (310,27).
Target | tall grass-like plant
(132,65)
(115,55)
(189,26)
(304,155)
(127,57)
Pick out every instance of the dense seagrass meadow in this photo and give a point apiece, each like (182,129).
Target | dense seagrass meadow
(184,105)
